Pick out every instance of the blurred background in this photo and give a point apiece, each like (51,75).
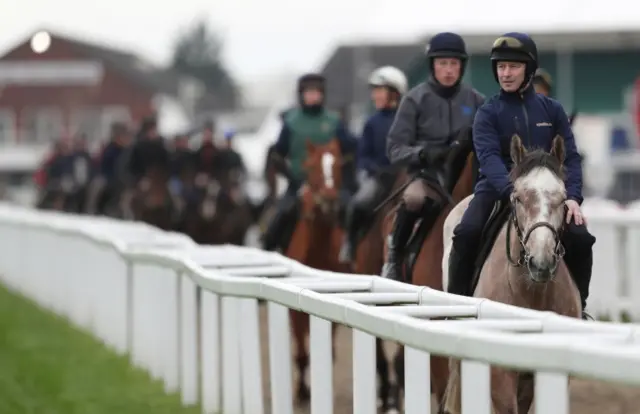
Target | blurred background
(72,68)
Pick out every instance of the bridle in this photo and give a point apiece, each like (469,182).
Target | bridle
(524,258)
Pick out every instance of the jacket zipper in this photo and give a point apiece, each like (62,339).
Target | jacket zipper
(526,123)
(450,120)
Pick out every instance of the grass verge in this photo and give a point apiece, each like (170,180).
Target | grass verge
(49,367)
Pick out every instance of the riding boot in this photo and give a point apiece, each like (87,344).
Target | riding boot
(430,213)
(403,227)
(580,266)
(460,272)
(274,231)
(347,250)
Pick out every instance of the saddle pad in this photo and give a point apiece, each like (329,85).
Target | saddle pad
(499,216)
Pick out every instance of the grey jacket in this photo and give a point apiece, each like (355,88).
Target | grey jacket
(427,120)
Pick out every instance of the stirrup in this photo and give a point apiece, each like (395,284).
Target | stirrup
(586,316)
(346,253)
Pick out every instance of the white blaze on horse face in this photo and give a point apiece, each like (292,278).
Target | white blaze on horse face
(547,187)
(328,160)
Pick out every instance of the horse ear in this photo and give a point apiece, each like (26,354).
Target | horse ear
(517,149)
(557,148)
(310,146)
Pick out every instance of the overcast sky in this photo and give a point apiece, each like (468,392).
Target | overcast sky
(269,36)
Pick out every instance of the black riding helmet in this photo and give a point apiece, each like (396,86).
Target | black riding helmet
(515,47)
(309,81)
(447,45)
(543,78)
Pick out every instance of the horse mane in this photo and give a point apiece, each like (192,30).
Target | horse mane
(537,158)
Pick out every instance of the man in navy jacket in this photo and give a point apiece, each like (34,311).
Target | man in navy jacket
(537,119)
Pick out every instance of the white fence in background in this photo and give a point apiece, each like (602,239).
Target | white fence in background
(159,297)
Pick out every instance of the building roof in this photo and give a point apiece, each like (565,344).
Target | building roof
(348,68)
(151,77)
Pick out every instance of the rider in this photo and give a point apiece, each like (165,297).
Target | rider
(388,85)
(110,162)
(515,59)
(429,118)
(309,121)
(149,151)
(206,157)
(181,161)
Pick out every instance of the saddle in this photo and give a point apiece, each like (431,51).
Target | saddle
(498,217)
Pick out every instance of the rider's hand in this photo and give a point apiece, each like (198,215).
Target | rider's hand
(436,155)
(573,210)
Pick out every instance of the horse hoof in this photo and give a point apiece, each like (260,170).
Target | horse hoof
(303,395)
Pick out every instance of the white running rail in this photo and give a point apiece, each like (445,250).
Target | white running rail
(160,298)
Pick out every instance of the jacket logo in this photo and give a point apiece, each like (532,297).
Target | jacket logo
(544,124)
(466,110)
(325,127)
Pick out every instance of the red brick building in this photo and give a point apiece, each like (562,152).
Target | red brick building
(78,87)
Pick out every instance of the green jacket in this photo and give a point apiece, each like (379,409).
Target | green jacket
(319,129)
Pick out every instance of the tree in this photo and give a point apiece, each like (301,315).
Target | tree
(198,53)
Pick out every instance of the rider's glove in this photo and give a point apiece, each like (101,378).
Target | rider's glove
(433,155)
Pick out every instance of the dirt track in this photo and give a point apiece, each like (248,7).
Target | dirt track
(587,397)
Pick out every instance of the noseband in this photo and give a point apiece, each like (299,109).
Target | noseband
(524,258)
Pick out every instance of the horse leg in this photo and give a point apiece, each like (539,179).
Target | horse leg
(525,392)
(300,325)
(382,368)
(451,403)
(395,392)
(504,391)
(439,377)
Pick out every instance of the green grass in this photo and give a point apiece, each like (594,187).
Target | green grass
(49,367)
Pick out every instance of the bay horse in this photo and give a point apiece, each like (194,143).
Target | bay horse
(525,265)
(422,263)
(220,212)
(152,201)
(317,237)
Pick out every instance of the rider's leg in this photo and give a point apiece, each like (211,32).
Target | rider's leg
(275,235)
(578,244)
(408,213)
(359,205)
(466,242)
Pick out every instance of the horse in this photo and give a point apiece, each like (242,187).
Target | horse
(57,195)
(152,201)
(220,212)
(266,210)
(317,237)
(525,265)
(423,250)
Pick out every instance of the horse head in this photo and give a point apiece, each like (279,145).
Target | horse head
(538,207)
(209,201)
(323,166)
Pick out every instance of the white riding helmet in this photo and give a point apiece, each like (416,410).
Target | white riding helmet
(391,77)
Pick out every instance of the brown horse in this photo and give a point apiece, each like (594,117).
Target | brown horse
(426,270)
(220,212)
(317,237)
(525,266)
(152,201)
